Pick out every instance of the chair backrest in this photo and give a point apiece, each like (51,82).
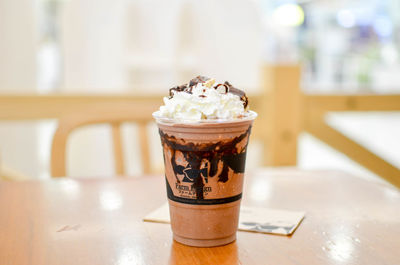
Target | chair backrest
(111,114)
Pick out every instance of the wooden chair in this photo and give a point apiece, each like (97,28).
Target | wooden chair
(7,173)
(113,114)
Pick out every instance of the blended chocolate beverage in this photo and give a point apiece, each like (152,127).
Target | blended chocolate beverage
(204,130)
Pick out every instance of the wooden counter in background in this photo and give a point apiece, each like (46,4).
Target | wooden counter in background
(284,112)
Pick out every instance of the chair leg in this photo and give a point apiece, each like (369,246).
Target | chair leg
(144,148)
(118,152)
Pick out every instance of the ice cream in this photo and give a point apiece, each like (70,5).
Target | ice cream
(204,99)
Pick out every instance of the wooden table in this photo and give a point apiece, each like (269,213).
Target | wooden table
(85,221)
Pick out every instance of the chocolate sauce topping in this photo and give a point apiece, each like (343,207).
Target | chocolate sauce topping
(177,88)
(225,87)
(239,93)
(202,79)
(211,155)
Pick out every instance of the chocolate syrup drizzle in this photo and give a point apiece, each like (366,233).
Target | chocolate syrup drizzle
(212,153)
(188,88)
(239,93)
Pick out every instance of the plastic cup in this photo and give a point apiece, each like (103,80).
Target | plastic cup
(204,170)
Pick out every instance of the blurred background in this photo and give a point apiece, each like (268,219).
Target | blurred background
(129,47)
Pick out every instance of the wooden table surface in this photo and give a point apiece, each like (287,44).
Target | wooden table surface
(99,221)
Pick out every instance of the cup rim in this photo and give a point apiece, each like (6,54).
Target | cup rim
(249,116)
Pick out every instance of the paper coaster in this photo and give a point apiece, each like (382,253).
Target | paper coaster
(253,219)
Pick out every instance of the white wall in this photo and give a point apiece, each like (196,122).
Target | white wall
(18,45)
(92,46)
(128,45)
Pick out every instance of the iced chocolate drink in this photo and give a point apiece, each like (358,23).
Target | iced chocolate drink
(204,128)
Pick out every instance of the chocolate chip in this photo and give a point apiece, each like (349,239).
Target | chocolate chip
(189,90)
(198,79)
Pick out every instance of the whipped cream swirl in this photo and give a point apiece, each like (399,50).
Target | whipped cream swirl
(202,100)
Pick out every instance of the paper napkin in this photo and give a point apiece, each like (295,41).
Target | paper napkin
(253,219)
